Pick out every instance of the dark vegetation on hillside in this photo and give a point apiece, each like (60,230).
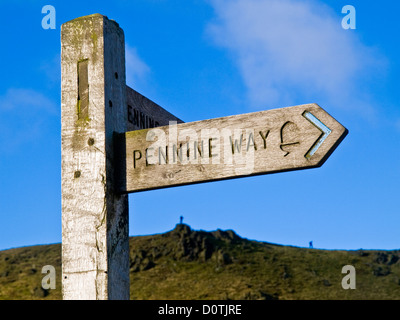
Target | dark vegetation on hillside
(189,264)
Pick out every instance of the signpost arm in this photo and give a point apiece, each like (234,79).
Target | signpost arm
(95,240)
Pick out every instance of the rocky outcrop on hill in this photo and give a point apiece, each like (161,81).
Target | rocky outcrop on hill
(185,244)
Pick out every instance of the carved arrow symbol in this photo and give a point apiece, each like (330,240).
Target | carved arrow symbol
(325,132)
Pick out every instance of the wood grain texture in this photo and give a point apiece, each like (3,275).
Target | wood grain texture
(143,113)
(95,248)
(224,148)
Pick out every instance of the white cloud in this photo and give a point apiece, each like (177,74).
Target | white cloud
(290,51)
(136,68)
(24,101)
(24,113)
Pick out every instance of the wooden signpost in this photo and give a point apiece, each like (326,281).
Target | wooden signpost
(142,113)
(257,143)
(116,141)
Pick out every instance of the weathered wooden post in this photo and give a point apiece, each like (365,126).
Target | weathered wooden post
(95,248)
(104,157)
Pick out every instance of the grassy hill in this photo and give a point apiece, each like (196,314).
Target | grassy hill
(189,264)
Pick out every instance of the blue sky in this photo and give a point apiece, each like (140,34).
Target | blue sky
(206,59)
